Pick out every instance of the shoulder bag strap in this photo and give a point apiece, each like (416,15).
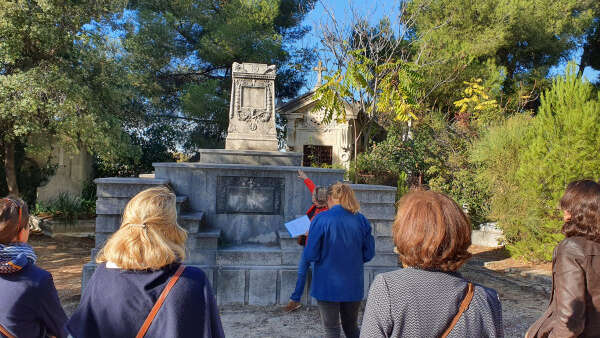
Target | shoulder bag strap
(5,332)
(159,302)
(463,306)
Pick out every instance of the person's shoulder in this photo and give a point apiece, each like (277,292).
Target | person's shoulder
(578,246)
(37,275)
(195,277)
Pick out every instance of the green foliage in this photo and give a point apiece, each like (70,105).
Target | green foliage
(387,91)
(526,163)
(457,39)
(179,56)
(57,85)
(66,206)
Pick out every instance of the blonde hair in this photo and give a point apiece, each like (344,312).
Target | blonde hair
(343,193)
(149,236)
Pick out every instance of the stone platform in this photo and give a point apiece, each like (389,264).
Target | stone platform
(250,157)
(243,247)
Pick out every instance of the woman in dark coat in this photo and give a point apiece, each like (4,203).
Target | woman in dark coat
(339,242)
(574,309)
(29,304)
(134,268)
(428,298)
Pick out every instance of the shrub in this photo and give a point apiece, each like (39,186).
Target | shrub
(526,163)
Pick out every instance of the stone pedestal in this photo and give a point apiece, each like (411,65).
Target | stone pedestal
(250,157)
(252,108)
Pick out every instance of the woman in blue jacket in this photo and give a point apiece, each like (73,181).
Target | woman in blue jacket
(339,244)
(29,304)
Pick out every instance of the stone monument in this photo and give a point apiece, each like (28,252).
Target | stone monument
(234,203)
(252,108)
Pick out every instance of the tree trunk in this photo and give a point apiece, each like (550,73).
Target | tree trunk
(10,168)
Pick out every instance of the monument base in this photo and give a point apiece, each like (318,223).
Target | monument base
(240,143)
(250,157)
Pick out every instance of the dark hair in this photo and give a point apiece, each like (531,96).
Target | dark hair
(320,194)
(582,201)
(431,231)
(14,216)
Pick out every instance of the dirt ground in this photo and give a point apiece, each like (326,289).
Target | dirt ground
(521,305)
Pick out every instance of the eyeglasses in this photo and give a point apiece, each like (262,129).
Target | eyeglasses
(17,204)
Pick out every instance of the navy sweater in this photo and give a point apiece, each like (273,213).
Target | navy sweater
(339,242)
(116,302)
(29,304)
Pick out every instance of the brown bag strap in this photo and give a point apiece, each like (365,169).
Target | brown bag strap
(159,302)
(5,332)
(463,307)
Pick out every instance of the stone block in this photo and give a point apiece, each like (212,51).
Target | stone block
(250,157)
(262,287)
(487,238)
(384,244)
(201,257)
(382,227)
(118,187)
(231,286)
(288,285)
(101,238)
(384,259)
(373,196)
(191,221)
(382,211)
(290,257)
(108,223)
(248,255)
(208,240)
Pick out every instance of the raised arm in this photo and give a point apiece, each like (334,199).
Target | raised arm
(309,183)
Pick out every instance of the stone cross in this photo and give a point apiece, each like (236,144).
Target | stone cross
(319,69)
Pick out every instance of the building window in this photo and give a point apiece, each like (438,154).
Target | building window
(317,155)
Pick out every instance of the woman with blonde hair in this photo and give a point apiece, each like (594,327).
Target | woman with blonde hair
(428,297)
(140,286)
(339,243)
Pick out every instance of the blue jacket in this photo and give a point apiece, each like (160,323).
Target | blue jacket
(116,302)
(339,242)
(29,304)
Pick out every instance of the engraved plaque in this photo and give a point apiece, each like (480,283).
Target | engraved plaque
(254,97)
(249,195)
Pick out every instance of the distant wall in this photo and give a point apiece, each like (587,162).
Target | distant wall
(72,171)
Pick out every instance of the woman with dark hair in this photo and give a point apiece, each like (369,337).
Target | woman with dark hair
(29,304)
(339,242)
(574,309)
(428,298)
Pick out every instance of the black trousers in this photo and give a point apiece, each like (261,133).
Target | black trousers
(331,312)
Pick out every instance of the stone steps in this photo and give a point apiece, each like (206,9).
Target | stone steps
(192,221)
(204,240)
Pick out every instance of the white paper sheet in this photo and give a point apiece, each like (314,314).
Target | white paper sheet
(298,226)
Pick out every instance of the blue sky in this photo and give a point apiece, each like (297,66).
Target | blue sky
(375,10)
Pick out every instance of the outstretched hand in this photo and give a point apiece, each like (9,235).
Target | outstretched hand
(302,175)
